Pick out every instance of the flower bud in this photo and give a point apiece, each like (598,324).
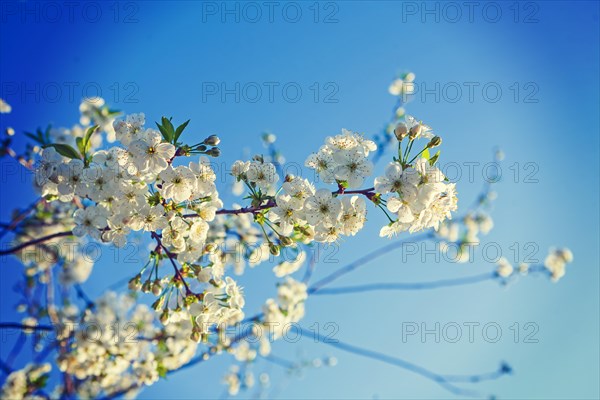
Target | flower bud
(135,283)
(195,336)
(415,131)
(286,241)
(401,131)
(274,249)
(214,152)
(434,142)
(147,287)
(212,140)
(158,303)
(164,316)
(156,287)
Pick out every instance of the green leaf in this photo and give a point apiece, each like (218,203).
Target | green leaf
(80,145)
(434,159)
(163,132)
(88,136)
(180,129)
(162,370)
(425,154)
(166,129)
(169,129)
(167,124)
(65,150)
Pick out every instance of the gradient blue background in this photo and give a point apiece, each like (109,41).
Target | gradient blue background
(169,51)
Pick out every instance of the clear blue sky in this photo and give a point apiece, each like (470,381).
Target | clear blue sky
(544,57)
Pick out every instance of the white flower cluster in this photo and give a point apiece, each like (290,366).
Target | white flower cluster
(288,267)
(343,158)
(299,209)
(110,349)
(121,183)
(22,383)
(5,108)
(117,346)
(421,199)
(464,234)
(289,307)
(404,85)
(76,265)
(504,268)
(556,262)
(221,305)
(237,379)
(262,174)
(319,215)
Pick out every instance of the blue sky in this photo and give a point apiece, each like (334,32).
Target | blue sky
(544,58)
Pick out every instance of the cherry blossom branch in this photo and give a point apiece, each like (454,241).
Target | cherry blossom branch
(271,203)
(504,369)
(16,325)
(34,242)
(171,258)
(89,303)
(443,381)
(282,362)
(442,283)
(408,286)
(364,260)
(16,350)
(243,210)
(369,193)
(19,217)
(196,360)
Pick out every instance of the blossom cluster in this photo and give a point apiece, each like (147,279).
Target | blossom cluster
(343,159)
(25,382)
(107,352)
(287,309)
(419,196)
(145,183)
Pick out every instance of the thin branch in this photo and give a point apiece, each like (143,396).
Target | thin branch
(364,260)
(86,299)
(271,203)
(504,369)
(19,217)
(34,242)
(243,210)
(16,325)
(310,269)
(4,367)
(282,362)
(408,286)
(171,258)
(398,362)
(18,346)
